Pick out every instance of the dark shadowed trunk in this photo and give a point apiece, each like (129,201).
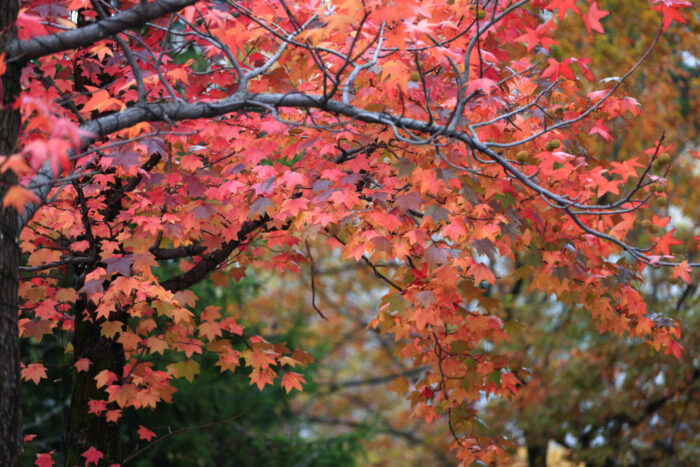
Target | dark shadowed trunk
(10,413)
(536,451)
(87,430)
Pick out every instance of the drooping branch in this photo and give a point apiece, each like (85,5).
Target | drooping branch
(46,45)
(242,100)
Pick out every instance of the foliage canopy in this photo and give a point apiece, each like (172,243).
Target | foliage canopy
(452,147)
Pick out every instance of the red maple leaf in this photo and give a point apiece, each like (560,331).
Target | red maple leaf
(627,168)
(532,37)
(145,433)
(556,68)
(562,6)
(664,244)
(671,12)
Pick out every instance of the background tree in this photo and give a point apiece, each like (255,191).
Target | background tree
(612,400)
(222,137)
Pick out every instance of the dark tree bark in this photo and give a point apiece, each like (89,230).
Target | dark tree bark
(10,412)
(536,451)
(87,430)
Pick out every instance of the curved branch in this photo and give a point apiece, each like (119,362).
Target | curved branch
(46,45)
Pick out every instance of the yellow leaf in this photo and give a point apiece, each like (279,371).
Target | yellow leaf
(111,328)
(187,369)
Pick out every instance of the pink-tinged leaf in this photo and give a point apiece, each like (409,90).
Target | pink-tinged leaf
(592,18)
(484,85)
(127,160)
(82,365)
(555,69)
(411,200)
(113,416)
(44,459)
(600,129)
(92,456)
(91,287)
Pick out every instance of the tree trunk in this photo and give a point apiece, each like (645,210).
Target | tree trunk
(86,430)
(537,456)
(10,412)
(536,451)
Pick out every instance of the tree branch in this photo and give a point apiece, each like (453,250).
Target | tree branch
(23,50)
(212,261)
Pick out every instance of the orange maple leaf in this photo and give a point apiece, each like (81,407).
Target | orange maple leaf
(292,380)
(18,197)
(34,372)
(682,271)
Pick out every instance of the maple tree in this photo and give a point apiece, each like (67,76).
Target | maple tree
(149,145)
(220,420)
